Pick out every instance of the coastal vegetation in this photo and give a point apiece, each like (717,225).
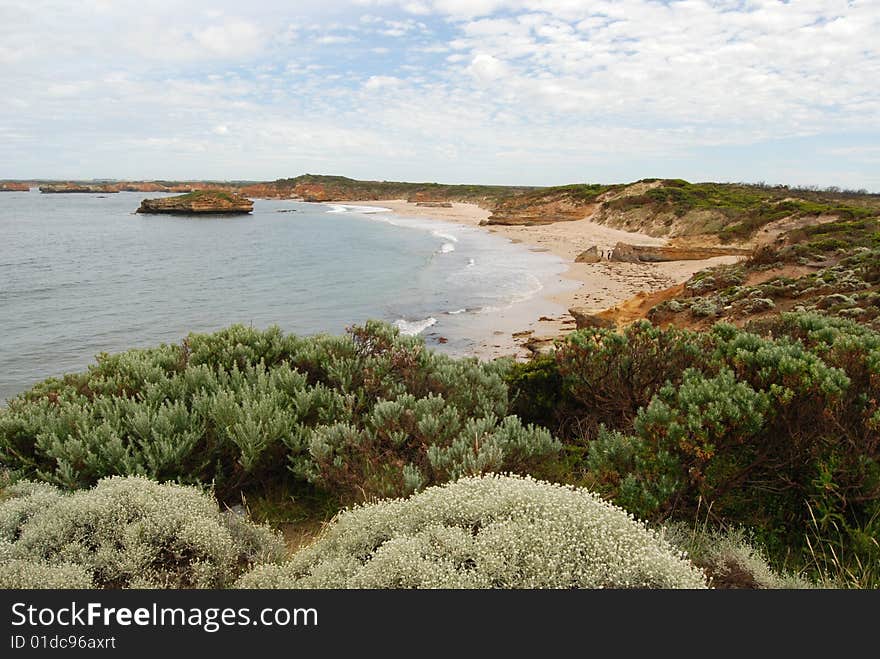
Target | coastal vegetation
(125,533)
(776,433)
(369,414)
(777,436)
(486,532)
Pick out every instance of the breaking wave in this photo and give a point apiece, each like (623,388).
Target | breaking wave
(414,327)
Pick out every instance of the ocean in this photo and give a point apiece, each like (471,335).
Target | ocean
(82,274)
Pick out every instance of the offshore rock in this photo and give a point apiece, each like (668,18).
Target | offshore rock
(199,202)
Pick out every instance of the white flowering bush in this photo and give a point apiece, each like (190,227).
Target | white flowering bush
(126,532)
(485,532)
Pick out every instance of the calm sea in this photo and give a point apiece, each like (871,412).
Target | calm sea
(82,274)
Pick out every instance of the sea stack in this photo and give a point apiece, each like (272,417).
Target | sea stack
(199,202)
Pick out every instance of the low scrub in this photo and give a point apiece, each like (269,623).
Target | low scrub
(485,532)
(125,533)
(369,414)
(772,430)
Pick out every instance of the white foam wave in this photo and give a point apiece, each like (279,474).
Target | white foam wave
(444,236)
(456,312)
(348,208)
(471,263)
(445,248)
(414,327)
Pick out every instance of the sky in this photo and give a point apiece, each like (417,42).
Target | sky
(522,92)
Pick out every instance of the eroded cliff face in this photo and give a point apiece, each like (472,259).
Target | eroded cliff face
(541,212)
(14,187)
(201,202)
(565,203)
(66,188)
(626,253)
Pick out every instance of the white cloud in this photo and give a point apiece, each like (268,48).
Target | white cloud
(578,85)
(486,68)
(382,82)
(232,37)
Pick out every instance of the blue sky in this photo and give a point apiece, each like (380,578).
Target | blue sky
(486,91)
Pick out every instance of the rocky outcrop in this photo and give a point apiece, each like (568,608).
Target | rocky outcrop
(540,345)
(626,253)
(434,204)
(264,191)
(541,211)
(589,256)
(14,187)
(65,188)
(199,202)
(584,319)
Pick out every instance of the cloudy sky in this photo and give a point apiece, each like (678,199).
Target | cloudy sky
(485,91)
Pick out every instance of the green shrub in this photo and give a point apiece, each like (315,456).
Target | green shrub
(485,532)
(609,376)
(364,415)
(125,533)
(765,428)
(639,477)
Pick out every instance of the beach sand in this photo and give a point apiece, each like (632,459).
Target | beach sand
(598,286)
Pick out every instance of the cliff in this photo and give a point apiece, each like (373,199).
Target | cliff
(14,187)
(671,208)
(547,205)
(626,253)
(66,188)
(199,202)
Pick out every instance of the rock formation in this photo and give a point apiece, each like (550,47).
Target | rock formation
(555,208)
(199,202)
(66,188)
(14,187)
(589,256)
(584,319)
(652,254)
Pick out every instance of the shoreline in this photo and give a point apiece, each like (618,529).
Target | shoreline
(594,287)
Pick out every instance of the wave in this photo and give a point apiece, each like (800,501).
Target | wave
(456,312)
(414,327)
(444,236)
(471,263)
(446,248)
(348,208)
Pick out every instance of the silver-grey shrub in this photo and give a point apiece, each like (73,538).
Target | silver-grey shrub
(485,532)
(126,532)
(368,414)
(731,559)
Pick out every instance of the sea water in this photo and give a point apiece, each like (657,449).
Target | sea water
(82,274)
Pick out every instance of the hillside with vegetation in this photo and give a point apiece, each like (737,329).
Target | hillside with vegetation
(673,208)
(312,187)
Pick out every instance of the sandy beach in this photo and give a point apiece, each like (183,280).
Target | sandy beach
(598,286)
